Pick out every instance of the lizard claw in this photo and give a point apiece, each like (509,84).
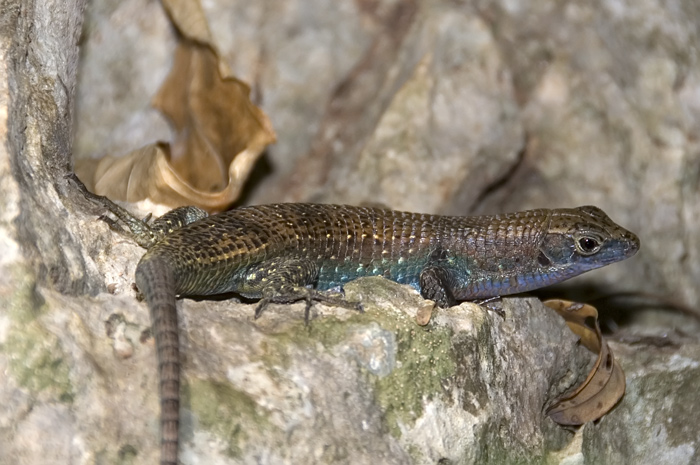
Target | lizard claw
(261,307)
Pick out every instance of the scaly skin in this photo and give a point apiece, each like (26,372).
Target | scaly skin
(289,252)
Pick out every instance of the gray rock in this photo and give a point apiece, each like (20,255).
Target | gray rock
(349,388)
(654,422)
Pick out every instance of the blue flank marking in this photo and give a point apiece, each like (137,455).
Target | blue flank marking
(470,284)
(336,274)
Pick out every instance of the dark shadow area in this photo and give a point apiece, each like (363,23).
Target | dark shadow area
(261,169)
(616,309)
(222,297)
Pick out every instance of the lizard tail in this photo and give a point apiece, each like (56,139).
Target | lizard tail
(156,280)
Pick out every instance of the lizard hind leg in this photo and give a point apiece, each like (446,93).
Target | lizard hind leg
(177,218)
(289,294)
(289,281)
(142,231)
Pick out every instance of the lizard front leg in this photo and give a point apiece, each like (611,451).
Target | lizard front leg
(436,283)
(436,279)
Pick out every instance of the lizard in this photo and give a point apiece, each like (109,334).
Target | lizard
(283,253)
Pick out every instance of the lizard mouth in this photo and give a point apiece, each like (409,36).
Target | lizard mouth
(633,244)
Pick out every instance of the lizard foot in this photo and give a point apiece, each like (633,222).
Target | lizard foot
(310,296)
(494,304)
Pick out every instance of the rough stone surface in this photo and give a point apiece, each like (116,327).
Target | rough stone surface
(41,39)
(655,422)
(351,388)
(452,107)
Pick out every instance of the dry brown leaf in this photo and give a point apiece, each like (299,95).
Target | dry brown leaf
(219,132)
(425,312)
(605,384)
(189,18)
(214,118)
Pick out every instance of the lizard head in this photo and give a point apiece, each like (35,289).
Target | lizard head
(582,239)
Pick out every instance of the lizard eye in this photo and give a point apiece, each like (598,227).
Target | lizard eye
(588,245)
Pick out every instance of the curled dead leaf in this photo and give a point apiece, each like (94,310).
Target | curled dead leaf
(189,18)
(219,132)
(148,173)
(605,384)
